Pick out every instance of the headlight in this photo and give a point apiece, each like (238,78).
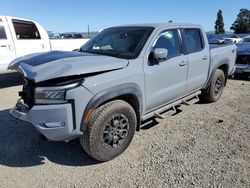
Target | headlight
(47,95)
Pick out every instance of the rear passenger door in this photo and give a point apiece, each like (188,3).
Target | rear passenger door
(198,58)
(165,80)
(7,50)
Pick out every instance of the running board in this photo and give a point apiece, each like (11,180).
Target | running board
(191,101)
(164,115)
(170,109)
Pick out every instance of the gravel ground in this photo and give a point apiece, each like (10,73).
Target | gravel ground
(205,145)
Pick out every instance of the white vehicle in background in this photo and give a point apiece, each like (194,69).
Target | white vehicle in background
(19,37)
(232,39)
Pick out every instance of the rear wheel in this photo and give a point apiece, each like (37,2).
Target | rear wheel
(110,130)
(215,88)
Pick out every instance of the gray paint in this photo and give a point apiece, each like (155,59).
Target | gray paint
(159,84)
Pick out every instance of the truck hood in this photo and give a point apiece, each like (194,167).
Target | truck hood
(56,64)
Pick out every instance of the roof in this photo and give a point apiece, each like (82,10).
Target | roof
(160,25)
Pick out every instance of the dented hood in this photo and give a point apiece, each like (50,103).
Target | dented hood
(55,64)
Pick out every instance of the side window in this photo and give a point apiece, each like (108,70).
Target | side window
(169,40)
(2,31)
(193,40)
(25,30)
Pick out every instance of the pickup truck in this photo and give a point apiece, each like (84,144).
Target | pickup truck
(123,76)
(19,37)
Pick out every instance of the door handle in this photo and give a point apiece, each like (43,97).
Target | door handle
(3,46)
(183,63)
(205,57)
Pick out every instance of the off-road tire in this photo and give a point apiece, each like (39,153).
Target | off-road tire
(214,90)
(93,141)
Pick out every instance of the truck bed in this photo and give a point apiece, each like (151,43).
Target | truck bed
(222,53)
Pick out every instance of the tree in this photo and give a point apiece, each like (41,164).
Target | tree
(219,23)
(242,23)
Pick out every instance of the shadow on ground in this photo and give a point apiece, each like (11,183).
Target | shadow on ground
(21,146)
(10,79)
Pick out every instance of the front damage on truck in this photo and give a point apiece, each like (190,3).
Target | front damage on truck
(52,83)
(243,60)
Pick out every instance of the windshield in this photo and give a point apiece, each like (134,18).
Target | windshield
(122,42)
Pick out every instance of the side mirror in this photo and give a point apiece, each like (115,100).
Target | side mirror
(160,53)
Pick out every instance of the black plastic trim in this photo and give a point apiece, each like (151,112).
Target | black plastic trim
(213,72)
(72,102)
(112,93)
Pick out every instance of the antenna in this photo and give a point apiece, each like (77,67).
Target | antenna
(88,31)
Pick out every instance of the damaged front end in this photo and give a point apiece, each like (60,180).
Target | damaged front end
(53,97)
(51,109)
(242,63)
(27,100)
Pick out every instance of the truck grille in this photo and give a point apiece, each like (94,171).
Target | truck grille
(27,94)
(243,59)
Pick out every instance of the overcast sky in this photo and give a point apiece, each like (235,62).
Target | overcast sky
(62,16)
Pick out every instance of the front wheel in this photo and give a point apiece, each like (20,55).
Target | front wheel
(215,88)
(110,130)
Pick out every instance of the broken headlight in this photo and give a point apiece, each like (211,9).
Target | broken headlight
(54,95)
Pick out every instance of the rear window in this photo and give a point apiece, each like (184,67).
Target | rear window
(25,30)
(193,40)
(2,31)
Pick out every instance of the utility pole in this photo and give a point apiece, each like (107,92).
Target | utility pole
(88,31)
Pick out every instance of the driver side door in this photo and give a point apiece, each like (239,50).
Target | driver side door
(166,80)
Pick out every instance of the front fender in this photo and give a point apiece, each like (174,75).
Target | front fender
(112,93)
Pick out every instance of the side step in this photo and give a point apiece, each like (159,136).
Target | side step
(169,112)
(171,109)
(191,101)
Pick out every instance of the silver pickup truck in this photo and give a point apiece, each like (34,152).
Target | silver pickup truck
(123,76)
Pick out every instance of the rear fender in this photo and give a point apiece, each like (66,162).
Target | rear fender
(220,64)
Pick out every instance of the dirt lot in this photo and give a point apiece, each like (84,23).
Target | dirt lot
(206,145)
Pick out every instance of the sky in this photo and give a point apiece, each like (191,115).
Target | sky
(76,15)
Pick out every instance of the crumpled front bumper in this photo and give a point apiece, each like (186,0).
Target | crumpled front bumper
(54,121)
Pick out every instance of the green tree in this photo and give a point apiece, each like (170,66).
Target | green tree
(219,23)
(242,23)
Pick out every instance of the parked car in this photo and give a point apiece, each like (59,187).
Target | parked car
(232,39)
(70,36)
(243,57)
(216,40)
(123,76)
(19,37)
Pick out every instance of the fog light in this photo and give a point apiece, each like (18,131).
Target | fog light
(54,124)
